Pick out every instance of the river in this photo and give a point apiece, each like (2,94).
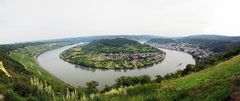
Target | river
(78,75)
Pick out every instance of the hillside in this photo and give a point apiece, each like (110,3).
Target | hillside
(113,53)
(217,83)
(22,79)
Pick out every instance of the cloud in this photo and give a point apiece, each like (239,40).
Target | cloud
(43,19)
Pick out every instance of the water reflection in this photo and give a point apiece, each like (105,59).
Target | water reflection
(85,68)
(114,69)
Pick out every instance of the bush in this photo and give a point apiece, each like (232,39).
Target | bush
(129,81)
(91,87)
(159,78)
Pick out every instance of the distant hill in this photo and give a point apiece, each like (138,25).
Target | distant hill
(197,38)
(162,40)
(212,37)
(216,43)
(140,38)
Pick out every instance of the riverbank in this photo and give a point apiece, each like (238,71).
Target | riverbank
(47,73)
(44,70)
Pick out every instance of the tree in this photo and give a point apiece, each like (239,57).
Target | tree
(107,88)
(189,68)
(159,78)
(144,79)
(92,87)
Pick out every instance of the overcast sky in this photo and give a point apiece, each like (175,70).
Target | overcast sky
(24,20)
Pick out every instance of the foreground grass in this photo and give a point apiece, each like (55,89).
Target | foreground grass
(212,84)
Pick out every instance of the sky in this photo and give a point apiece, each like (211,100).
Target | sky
(28,20)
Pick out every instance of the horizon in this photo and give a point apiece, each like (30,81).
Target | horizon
(82,36)
(28,20)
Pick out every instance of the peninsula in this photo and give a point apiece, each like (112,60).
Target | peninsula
(113,54)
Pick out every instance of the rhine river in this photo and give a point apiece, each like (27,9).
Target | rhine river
(77,75)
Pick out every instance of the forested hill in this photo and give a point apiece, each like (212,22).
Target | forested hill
(118,45)
(118,42)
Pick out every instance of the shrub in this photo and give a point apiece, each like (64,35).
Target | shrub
(91,87)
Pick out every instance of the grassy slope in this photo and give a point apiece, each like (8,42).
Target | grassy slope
(213,84)
(30,63)
(33,67)
(28,59)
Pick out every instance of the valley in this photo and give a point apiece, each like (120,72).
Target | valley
(119,50)
(41,74)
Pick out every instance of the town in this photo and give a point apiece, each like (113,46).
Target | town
(193,49)
(134,58)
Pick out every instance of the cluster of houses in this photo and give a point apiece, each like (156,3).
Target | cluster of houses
(192,49)
(133,57)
